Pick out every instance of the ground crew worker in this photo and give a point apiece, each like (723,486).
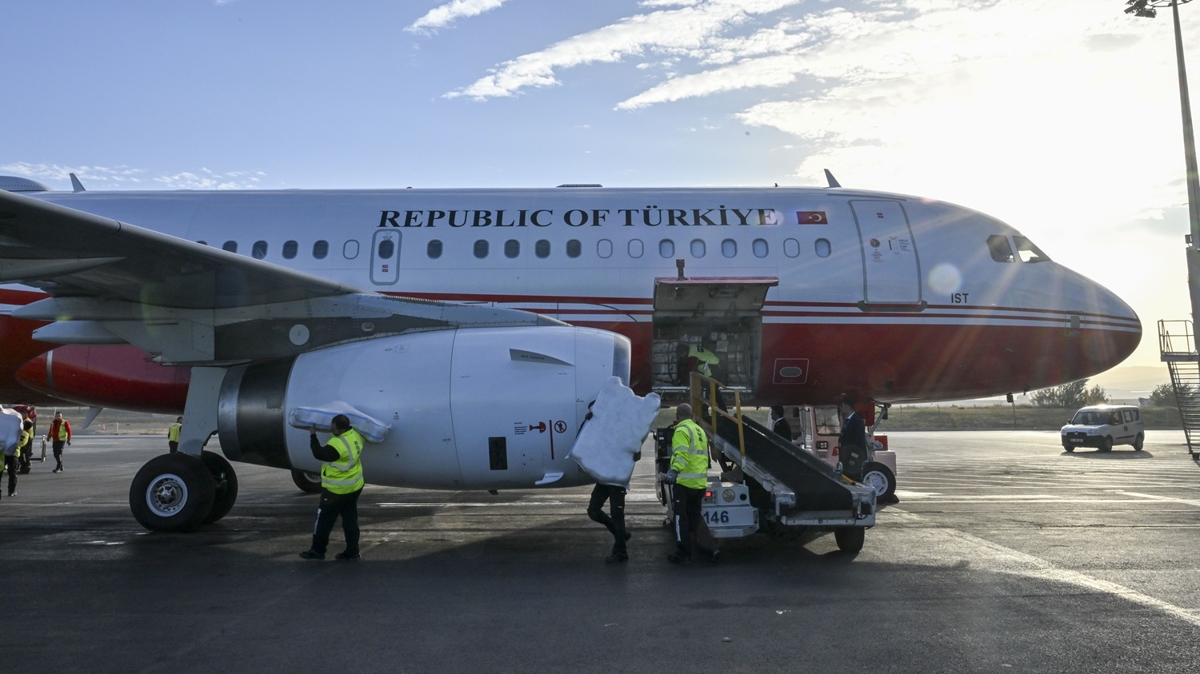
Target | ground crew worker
(173,434)
(615,495)
(12,462)
(852,442)
(59,436)
(689,478)
(341,485)
(705,359)
(25,449)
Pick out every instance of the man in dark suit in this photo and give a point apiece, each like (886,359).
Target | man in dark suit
(852,443)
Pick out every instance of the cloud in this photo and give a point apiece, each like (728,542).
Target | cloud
(687,29)
(124,177)
(444,15)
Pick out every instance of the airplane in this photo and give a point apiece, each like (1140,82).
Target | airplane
(477,324)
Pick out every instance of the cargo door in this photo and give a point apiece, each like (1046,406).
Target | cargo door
(891,265)
(725,311)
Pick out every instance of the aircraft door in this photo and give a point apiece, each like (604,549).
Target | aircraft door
(385,257)
(891,265)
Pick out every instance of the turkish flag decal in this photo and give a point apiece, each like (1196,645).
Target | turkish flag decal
(812,218)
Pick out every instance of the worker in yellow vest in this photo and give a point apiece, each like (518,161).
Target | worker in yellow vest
(701,358)
(12,462)
(341,485)
(689,478)
(60,436)
(173,432)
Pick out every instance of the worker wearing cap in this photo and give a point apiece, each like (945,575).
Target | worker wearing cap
(341,485)
(689,478)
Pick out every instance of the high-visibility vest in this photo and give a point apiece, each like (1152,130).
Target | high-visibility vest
(705,359)
(26,437)
(689,445)
(59,430)
(344,475)
(173,432)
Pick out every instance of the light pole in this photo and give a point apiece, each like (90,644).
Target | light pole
(1148,9)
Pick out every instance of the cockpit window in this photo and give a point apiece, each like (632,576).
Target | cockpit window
(1028,251)
(1000,249)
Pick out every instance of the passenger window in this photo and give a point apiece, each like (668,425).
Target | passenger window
(542,248)
(636,249)
(350,249)
(512,248)
(259,251)
(604,248)
(574,248)
(1137,414)
(729,248)
(698,248)
(791,248)
(999,248)
(1128,415)
(320,249)
(761,249)
(1028,251)
(822,248)
(230,246)
(481,248)
(289,249)
(434,249)
(386,249)
(202,243)
(666,248)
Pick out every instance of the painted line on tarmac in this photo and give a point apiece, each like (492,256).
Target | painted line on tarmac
(1152,497)
(1008,560)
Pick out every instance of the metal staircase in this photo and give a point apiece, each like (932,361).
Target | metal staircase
(1177,348)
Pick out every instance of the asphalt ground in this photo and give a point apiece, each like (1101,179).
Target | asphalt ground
(1005,554)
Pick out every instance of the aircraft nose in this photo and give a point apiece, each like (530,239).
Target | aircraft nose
(1115,331)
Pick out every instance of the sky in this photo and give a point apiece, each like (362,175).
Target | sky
(1061,118)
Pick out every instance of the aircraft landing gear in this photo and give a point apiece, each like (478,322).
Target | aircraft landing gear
(309,483)
(178,492)
(225,485)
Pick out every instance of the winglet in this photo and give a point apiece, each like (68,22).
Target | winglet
(832,181)
(78,186)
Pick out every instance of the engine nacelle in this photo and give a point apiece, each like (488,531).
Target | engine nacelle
(482,408)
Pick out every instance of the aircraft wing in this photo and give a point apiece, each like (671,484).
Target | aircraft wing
(112,282)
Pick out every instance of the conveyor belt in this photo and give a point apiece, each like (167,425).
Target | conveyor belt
(817,486)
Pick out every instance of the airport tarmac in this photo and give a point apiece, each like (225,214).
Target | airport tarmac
(1005,554)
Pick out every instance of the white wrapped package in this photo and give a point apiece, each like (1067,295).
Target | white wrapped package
(620,421)
(10,431)
(372,429)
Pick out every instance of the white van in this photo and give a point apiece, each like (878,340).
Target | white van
(1103,426)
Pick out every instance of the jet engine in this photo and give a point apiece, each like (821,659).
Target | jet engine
(465,408)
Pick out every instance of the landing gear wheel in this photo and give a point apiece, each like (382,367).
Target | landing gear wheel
(172,492)
(225,485)
(879,477)
(1138,442)
(309,483)
(850,539)
(1106,444)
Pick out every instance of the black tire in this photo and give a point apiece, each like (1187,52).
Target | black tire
(309,483)
(225,485)
(1139,442)
(172,492)
(1068,448)
(1106,444)
(880,478)
(850,539)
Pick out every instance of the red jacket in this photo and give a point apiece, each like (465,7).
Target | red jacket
(53,434)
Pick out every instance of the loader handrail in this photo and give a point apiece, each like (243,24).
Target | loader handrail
(699,403)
